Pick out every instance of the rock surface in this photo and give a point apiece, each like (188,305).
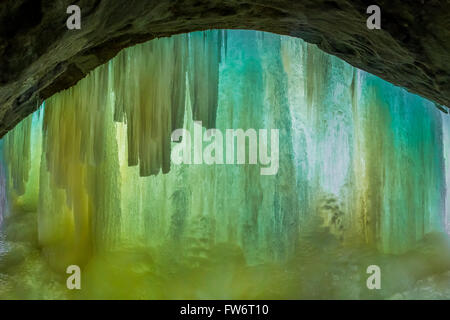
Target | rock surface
(40,56)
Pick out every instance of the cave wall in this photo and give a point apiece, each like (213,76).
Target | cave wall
(40,56)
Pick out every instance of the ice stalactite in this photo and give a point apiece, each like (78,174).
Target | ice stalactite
(21,150)
(374,150)
(360,158)
(149,83)
(3,191)
(18,140)
(446,139)
(404,191)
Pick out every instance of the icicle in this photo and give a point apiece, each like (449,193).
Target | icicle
(17,154)
(204,58)
(152,104)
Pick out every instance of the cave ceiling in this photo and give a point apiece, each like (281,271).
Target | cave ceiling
(40,56)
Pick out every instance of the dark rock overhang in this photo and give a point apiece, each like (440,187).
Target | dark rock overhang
(40,56)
